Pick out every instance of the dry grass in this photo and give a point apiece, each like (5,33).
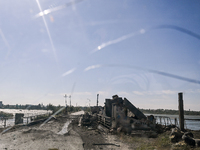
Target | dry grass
(162,142)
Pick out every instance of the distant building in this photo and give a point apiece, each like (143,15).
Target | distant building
(1,104)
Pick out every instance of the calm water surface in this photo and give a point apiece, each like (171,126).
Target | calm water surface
(189,124)
(27,113)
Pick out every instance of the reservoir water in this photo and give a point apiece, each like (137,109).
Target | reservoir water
(26,112)
(189,124)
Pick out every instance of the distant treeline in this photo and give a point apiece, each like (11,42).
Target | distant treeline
(69,109)
(168,111)
(44,107)
(78,108)
(7,115)
(27,106)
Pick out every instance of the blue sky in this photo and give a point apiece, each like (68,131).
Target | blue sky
(83,48)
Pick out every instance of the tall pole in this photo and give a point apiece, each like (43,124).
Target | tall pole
(65,96)
(97,99)
(70,100)
(181,111)
(89,101)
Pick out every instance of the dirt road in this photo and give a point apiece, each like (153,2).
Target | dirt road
(44,138)
(41,138)
(50,137)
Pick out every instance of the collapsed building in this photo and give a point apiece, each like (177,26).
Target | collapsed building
(121,115)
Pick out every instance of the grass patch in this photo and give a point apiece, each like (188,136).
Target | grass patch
(162,142)
(7,115)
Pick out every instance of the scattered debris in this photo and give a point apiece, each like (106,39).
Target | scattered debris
(181,138)
(176,135)
(197,142)
(65,128)
(106,144)
(188,138)
(119,115)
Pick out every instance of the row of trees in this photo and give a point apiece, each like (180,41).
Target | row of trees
(27,106)
(168,111)
(42,107)
(68,109)
(74,109)
(7,115)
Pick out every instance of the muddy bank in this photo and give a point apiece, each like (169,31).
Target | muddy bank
(90,137)
(41,138)
(49,136)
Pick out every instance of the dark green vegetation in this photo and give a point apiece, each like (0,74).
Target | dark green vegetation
(7,115)
(168,111)
(42,107)
(74,109)
(27,106)
(162,142)
(56,108)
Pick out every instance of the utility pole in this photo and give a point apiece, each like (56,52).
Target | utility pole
(181,111)
(89,101)
(97,99)
(70,100)
(65,96)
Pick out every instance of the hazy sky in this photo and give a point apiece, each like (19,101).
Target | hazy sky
(146,51)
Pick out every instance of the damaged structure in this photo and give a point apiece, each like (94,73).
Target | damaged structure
(120,115)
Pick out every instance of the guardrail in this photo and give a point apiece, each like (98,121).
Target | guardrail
(4,120)
(28,119)
(104,120)
(163,120)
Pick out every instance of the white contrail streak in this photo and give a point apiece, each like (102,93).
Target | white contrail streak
(92,67)
(68,72)
(47,11)
(61,109)
(103,45)
(47,29)
(5,41)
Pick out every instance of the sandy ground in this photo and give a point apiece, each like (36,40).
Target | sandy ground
(49,137)
(93,139)
(41,138)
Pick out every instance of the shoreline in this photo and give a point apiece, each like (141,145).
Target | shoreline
(47,137)
(36,137)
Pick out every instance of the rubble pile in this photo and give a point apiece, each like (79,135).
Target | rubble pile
(183,138)
(119,115)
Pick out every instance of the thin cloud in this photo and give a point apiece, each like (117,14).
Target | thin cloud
(138,93)
(162,92)
(92,67)
(193,91)
(169,92)
(123,93)
(68,72)
(120,39)
(105,93)
(47,11)
(83,93)
(48,32)
(5,41)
